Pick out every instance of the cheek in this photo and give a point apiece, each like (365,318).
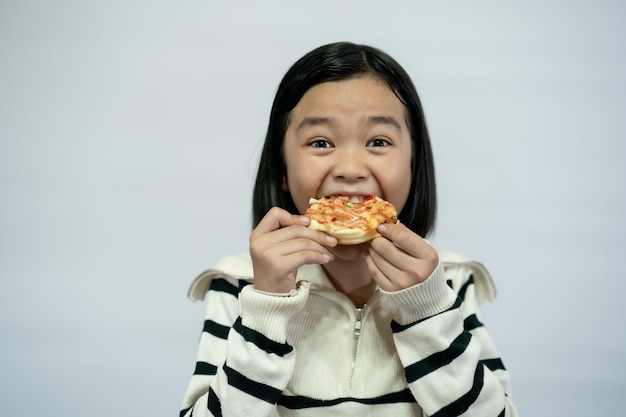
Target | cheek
(299,190)
(399,185)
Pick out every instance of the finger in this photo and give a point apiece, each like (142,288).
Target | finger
(290,233)
(295,246)
(276,264)
(383,280)
(403,258)
(279,250)
(396,267)
(277,260)
(277,218)
(409,241)
(309,257)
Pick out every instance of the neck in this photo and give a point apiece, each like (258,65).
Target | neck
(351,278)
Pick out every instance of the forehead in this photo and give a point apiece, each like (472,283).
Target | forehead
(364,95)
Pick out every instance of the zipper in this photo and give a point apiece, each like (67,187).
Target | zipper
(359,314)
(356,334)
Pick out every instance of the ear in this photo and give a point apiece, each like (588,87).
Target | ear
(285,185)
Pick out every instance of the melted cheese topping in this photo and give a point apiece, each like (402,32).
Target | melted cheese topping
(351,220)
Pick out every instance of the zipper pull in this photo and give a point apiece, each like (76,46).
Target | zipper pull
(357,323)
(357,332)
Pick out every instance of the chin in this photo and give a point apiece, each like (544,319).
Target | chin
(350,252)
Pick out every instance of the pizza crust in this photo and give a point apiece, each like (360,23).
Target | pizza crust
(352,220)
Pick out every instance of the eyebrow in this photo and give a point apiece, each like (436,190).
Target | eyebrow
(315,121)
(329,121)
(384,120)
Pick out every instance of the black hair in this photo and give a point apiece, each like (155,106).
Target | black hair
(334,62)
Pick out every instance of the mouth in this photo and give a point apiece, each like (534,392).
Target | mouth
(353,196)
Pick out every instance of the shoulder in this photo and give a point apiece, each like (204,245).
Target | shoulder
(460,272)
(236,270)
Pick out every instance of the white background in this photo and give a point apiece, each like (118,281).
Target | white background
(129,137)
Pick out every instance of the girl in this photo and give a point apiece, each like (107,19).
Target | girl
(303,326)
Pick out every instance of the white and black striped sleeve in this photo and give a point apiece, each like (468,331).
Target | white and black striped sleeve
(244,361)
(450,362)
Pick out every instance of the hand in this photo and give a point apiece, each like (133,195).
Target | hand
(401,259)
(280,244)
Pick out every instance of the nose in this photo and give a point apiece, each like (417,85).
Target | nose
(350,166)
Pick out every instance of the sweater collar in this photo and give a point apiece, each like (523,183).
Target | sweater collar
(239,267)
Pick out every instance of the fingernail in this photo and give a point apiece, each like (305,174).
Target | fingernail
(304,219)
(382,228)
(331,240)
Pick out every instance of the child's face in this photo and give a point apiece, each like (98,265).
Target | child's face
(348,137)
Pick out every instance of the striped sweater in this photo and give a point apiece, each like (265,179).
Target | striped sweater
(422,351)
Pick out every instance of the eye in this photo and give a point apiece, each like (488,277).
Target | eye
(378,142)
(320,143)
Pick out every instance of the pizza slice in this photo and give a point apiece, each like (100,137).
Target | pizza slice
(351,219)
